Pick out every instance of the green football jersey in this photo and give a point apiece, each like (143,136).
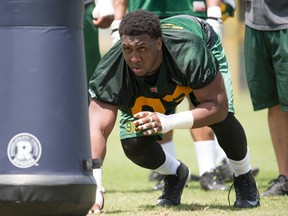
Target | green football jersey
(162,8)
(168,8)
(187,64)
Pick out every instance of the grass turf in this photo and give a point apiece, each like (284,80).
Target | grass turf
(128,191)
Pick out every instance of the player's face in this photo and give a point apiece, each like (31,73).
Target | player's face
(142,53)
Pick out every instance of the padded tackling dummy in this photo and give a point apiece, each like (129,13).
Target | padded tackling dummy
(45,157)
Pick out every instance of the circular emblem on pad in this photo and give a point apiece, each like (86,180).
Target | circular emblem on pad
(24,150)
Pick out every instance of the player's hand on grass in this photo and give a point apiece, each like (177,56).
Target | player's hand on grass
(99,204)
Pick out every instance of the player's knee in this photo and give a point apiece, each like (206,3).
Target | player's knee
(132,147)
(144,151)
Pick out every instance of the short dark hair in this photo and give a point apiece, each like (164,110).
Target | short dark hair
(140,22)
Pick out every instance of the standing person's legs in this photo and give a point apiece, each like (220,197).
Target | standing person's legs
(278,115)
(168,146)
(205,149)
(267,77)
(204,144)
(278,125)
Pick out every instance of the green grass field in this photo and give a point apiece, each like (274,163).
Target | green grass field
(128,191)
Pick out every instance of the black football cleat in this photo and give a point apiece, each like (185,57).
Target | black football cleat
(173,187)
(209,181)
(279,187)
(247,194)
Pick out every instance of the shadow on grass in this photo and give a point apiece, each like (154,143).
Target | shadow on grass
(131,191)
(149,190)
(181,208)
(190,207)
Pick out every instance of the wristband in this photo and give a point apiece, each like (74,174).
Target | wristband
(96,163)
(115,25)
(181,120)
(114,31)
(214,12)
(214,19)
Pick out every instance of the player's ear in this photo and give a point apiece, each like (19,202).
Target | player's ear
(159,43)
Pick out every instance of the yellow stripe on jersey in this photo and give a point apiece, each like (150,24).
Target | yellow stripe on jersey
(171,26)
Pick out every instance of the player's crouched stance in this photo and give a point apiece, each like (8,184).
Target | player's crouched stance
(146,75)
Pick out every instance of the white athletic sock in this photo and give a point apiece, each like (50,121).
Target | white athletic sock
(205,152)
(169,167)
(241,167)
(169,148)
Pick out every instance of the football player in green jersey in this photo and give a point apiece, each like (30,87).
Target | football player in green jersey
(146,75)
(213,165)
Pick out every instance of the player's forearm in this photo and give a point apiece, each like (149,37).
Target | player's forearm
(120,7)
(98,146)
(206,114)
(209,113)
(102,118)
(211,3)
